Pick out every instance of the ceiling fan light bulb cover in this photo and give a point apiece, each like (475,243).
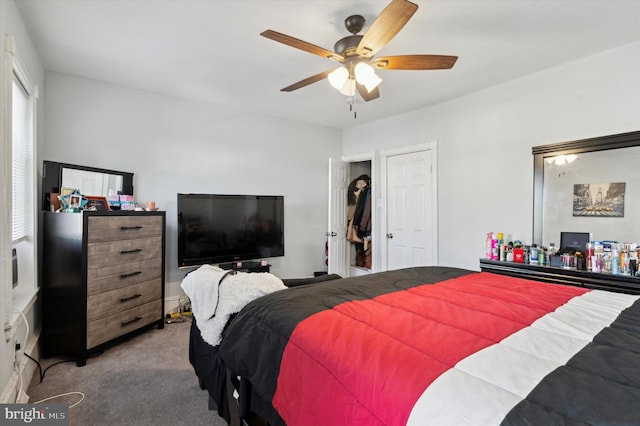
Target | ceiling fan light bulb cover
(366,76)
(338,77)
(349,88)
(372,82)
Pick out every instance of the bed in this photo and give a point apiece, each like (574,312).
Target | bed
(429,345)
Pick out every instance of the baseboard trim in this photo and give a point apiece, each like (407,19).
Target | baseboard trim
(172,303)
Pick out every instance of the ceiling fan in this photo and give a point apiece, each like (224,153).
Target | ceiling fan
(356,53)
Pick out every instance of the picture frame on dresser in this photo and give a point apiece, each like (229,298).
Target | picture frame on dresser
(75,201)
(98,203)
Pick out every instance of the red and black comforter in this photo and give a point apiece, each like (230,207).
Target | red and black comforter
(437,345)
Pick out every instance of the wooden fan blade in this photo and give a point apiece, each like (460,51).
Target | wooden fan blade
(307,81)
(390,21)
(302,45)
(367,96)
(414,62)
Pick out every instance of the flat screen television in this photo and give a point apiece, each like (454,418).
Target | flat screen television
(216,228)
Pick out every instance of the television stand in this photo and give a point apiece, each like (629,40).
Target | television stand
(245,266)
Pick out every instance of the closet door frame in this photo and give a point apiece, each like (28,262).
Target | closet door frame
(375,247)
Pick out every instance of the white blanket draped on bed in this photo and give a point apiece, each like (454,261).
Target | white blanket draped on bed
(212,306)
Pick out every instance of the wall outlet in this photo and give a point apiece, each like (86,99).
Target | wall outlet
(16,354)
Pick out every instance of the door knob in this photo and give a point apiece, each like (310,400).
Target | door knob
(333,234)
(389,235)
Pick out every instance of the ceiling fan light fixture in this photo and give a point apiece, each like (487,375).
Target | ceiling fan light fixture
(561,160)
(338,77)
(366,76)
(349,88)
(372,82)
(356,53)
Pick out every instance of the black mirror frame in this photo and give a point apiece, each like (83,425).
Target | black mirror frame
(52,179)
(602,143)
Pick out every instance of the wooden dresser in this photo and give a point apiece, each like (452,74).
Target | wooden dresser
(102,278)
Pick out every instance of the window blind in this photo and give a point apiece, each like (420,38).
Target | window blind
(22,147)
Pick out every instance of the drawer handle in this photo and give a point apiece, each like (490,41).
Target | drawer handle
(130,228)
(132,274)
(126,299)
(126,323)
(130,251)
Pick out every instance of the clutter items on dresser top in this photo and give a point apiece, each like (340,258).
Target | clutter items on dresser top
(559,275)
(605,265)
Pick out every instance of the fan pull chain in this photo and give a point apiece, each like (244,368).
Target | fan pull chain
(352,101)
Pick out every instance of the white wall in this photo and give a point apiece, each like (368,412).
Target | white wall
(176,145)
(11,24)
(485,163)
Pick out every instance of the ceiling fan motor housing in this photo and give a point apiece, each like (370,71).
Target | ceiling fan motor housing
(354,24)
(346,46)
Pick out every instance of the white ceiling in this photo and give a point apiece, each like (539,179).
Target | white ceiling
(211,49)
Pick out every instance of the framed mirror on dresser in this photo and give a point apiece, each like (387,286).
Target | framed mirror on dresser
(587,186)
(92,181)
(102,271)
(566,173)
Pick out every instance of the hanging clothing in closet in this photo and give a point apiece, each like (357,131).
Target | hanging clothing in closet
(359,218)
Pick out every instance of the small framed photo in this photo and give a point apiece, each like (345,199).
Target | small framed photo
(75,200)
(97,203)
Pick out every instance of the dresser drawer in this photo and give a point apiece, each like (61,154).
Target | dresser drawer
(122,275)
(109,253)
(114,301)
(112,228)
(107,328)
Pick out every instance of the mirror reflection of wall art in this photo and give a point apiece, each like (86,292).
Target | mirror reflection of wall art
(599,199)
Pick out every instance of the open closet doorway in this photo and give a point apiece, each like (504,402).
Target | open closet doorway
(351,233)
(410,225)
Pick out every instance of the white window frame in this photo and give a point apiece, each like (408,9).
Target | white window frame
(6,88)
(21,297)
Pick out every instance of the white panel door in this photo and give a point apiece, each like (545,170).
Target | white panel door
(410,210)
(337,227)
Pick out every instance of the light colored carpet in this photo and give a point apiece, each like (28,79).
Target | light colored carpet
(146,380)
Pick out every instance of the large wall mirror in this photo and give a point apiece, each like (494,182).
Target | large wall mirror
(88,180)
(590,185)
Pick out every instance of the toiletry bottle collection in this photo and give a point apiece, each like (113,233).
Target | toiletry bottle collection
(600,256)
